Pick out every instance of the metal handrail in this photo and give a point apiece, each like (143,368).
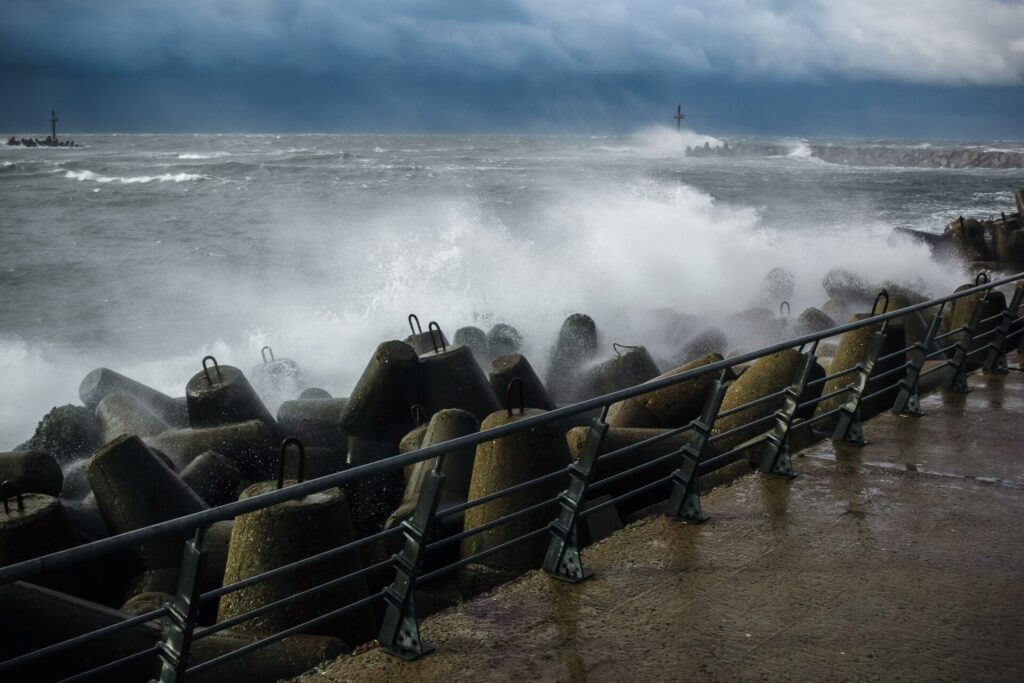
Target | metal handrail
(702,427)
(181,525)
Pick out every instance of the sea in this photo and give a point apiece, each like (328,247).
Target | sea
(145,253)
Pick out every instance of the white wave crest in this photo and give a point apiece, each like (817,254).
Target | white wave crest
(135,180)
(801,150)
(210,155)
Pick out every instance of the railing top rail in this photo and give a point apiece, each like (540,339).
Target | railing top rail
(188,523)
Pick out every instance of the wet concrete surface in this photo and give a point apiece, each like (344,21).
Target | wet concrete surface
(862,568)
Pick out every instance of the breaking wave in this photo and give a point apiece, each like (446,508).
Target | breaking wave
(210,155)
(135,180)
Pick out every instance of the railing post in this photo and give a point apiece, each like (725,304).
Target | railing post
(684,501)
(563,557)
(848,427)
(908,400)
(957,382)
(995,360)
(775,456)
(184,611)
(399,632)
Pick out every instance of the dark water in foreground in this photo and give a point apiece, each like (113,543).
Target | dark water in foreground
(144,253)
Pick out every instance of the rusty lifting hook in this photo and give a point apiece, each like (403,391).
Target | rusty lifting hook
(616,346)
(516,382)
(206,370)
(291,440)
(881,295)
(4,488)
(983,275)
(788,312)
(440,337)
(263,353)
(418,329)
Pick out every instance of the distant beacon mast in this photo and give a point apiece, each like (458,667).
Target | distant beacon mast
(679,116)
(53,124)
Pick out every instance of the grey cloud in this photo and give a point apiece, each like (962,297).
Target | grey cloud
(943,42)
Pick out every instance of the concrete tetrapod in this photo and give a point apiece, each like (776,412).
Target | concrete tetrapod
(378,408)
(316,421)
(120,413)
(279,378)
(102,381)
(476,340)
(32,525)
(284,533)
(634,366)
(620,437)
(457,468)
(372,498)
(506,368)
(852,350)
(221,395)
(710,340)
(960,315)
(46,617)
(504,462)
(135,488)
(32,472)
(765,376)
(452,378)
(214,478)
(672,406)
(576,345)
(503,339)
(247,444)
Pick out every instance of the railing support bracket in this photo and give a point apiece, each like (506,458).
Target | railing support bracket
(399,632)
(684,501)
(563,560)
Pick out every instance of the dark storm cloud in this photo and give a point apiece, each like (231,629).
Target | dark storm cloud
(471,62)
(921,41)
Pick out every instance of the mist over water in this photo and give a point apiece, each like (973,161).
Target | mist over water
(145,253)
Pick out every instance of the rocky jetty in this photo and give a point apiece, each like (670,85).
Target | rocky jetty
(873,155)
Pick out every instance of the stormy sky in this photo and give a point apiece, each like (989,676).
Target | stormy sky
(908,68)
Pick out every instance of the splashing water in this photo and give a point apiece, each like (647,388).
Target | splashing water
(322,255)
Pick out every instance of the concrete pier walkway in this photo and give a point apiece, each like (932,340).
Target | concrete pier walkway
(900,560)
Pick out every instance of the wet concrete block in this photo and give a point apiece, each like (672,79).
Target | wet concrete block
(32,471)
(102,381)
(134,488)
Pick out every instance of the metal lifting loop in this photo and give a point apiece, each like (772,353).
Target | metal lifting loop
(419,414)
(788,312)
(206,370)
(978,278)
(440,337)
(881,295)
(616,347)
(263,352)
(516,381)
(291,440)
(418,329)
(4,489)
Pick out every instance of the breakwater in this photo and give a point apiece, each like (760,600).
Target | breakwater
(872,155)
(190,518)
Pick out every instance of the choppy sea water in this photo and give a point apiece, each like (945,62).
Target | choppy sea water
(144,253)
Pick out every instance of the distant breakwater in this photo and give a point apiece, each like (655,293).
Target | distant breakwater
(923,157)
